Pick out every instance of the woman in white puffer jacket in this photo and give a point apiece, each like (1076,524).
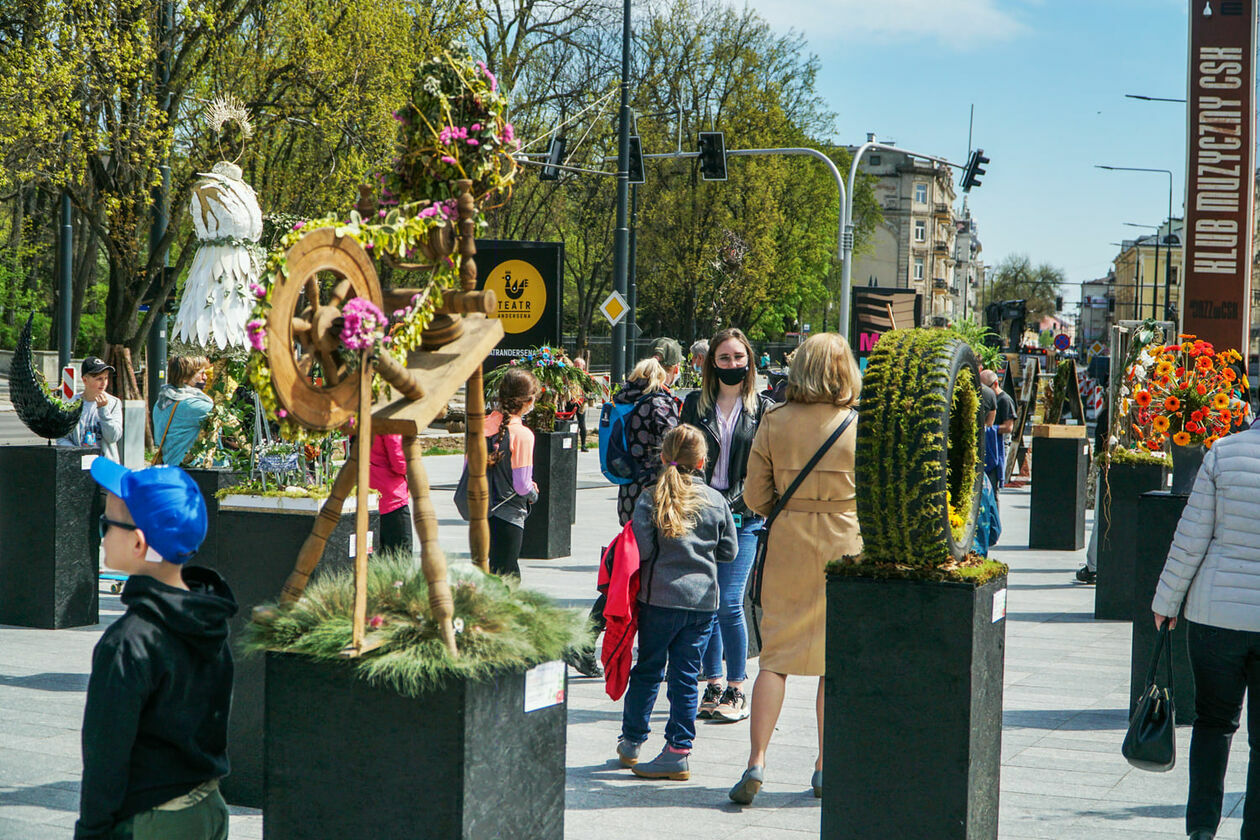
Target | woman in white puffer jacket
(1214,566)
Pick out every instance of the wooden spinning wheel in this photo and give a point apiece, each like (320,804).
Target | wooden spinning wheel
(323,386)
(311,378)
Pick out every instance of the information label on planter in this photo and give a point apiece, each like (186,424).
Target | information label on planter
(544,686)
(999,605)
(85,463)
(353,547)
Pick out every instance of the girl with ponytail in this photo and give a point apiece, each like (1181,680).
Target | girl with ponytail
(510,466)
(684,530)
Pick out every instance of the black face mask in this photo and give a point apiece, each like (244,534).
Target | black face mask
(731,376)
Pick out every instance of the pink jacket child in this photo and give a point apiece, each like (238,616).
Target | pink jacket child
(387,475)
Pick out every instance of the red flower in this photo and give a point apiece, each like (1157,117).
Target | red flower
(1142,398)
(1194,428)
(1172,404)
(1201,389)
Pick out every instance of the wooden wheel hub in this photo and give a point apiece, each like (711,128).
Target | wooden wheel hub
(312,382)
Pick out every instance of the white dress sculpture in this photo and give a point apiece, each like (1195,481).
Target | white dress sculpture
(217,298)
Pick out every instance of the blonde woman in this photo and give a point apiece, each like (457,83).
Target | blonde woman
(817,524)
(684,530)
(656,412)
(180,408)
(727,409)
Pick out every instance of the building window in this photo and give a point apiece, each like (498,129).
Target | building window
(920,230)
(920,193)
(874,160)
(918,268)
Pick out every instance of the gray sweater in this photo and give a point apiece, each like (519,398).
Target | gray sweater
(1214,562)
(681,573)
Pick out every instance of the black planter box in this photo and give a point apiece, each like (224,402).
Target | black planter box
(48,565)
(913,712)
(210,482)
(465,762)
(1117,536)
(1159,514)
(256,552)
(1056,519)
(549,528)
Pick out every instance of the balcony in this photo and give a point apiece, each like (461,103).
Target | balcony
(940,286)
(942,210)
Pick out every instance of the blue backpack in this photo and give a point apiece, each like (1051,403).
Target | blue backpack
(615,461)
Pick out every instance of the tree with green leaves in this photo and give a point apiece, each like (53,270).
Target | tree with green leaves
(1016,278)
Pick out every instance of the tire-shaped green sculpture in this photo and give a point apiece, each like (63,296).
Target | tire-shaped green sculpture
(920,451)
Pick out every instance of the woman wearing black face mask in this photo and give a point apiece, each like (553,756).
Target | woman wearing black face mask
(727,408)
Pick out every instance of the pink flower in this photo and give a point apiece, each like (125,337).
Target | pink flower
(475,126)
(471,142)
(369,245)
(448,159)
(299,225)
(363,324)
(281,413)
(375,621)
(380,213)
(257,332)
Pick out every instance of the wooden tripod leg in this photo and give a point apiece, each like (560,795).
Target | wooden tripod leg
(478,486)
(432,558)
(363,448)
(325,524)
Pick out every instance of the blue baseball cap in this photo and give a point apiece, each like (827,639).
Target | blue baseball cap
(163,501)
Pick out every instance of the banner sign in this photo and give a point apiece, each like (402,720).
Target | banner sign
(871,308)
(1220,162)
(527,279)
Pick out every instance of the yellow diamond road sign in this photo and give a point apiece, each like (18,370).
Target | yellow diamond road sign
(614,308)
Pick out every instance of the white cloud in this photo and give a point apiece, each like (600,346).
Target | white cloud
(954,24)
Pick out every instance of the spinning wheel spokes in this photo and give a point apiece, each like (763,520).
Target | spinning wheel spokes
(302,328)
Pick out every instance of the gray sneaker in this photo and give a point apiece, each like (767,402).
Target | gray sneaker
(667,765)
(748,786)
(627,752)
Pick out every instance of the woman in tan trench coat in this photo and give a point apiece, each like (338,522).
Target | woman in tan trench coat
(818,524)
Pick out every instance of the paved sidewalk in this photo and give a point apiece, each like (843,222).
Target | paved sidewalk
(1065,700)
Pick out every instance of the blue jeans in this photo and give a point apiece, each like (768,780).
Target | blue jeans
(729,634)
(673,636)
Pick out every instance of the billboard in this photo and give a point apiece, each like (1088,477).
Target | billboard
(1220,162)
(527,279)
(875,311)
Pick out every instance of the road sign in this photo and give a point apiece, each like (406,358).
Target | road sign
(69,381)
(1062,342)
(614,308)
(1096,348)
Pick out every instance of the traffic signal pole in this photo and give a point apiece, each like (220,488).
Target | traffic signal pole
(846,234)
(621,237)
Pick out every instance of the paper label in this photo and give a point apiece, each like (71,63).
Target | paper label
(354,541)
(999,605)
(544,686)
(86,463)
(567,443)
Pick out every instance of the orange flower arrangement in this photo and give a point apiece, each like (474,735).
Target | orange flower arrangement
(1186,393)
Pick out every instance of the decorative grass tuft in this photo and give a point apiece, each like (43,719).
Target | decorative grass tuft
(973,569)
(499,627)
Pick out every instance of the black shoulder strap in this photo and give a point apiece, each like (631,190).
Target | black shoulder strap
(813,462)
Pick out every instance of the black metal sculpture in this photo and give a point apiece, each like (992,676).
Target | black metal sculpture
(30,397)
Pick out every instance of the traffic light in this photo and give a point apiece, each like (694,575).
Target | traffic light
(636,160)
(712,147)
(975,168)
(555,156)
(1058,304)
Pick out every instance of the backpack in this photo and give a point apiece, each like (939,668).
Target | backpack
(493,478)
(615,461)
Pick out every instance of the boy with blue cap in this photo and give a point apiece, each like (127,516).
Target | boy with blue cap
(155,726)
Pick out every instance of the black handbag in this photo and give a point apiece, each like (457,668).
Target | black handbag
(1151,742)
(763,533)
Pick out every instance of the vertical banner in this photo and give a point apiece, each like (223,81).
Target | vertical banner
(1220,166)
(871,309)
(527,278)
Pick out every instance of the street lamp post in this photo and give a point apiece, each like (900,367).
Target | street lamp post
(621,236)
(1168,264)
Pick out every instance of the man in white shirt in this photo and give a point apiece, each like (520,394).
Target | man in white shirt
(101,422)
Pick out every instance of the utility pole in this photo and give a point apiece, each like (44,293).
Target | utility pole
(632,298)
(65,272)
(621,237)
(157,232)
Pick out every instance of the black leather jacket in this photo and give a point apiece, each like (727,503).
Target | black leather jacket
(741,444)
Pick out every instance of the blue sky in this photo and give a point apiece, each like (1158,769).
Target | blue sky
(1048,79)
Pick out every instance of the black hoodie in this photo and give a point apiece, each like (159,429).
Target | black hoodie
(155,726)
